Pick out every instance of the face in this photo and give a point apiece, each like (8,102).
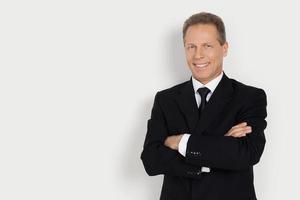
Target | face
(204,53)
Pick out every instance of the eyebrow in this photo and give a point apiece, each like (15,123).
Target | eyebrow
(210,43)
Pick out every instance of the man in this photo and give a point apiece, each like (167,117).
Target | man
(205,134)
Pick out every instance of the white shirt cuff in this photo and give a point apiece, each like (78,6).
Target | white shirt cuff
(205,169)
(183,144)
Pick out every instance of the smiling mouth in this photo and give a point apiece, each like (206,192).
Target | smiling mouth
(202,65)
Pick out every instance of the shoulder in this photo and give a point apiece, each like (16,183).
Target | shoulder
(247,91)
(173,90)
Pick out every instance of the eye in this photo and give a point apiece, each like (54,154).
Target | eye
(208,46)
(190,47)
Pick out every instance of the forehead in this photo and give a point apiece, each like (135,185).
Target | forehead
(201,33)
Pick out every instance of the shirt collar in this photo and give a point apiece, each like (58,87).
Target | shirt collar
(211,85)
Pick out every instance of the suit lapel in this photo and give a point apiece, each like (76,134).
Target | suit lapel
(187,103)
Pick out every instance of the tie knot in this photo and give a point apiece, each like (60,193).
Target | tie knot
(203,92)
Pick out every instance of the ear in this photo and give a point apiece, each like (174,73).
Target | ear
(225,49)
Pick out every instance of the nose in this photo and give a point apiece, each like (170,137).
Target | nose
(199,53)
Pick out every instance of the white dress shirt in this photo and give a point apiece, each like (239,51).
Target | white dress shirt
(196,84)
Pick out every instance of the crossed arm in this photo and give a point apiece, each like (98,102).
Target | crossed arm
(239,148)
(239,130)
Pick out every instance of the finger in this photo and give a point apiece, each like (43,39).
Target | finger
(239,135)
(241,132)
(236,129)
(240,125)
(250,131)
(230,131)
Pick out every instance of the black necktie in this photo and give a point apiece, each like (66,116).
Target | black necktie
(203,93)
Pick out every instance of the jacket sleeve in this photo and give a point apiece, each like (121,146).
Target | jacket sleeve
(156,157)
(225,152)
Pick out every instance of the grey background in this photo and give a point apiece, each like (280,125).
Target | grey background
(78,78)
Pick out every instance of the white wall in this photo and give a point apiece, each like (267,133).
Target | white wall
(78,78)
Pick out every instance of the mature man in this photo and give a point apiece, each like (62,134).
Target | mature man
(205,134)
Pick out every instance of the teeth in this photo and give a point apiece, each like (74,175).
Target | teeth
(201,65)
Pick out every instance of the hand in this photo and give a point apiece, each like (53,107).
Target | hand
(173,141)
(239,130)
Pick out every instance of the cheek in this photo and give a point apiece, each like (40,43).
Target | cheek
(211,53)
(189,57)
(215,57)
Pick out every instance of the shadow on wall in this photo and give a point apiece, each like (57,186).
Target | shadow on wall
(176,61)
(133,170)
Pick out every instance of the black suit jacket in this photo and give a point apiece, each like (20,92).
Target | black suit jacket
(231,159)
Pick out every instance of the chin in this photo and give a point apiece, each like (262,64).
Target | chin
(201,76)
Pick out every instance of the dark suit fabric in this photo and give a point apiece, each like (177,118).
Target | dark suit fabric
(231,159)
